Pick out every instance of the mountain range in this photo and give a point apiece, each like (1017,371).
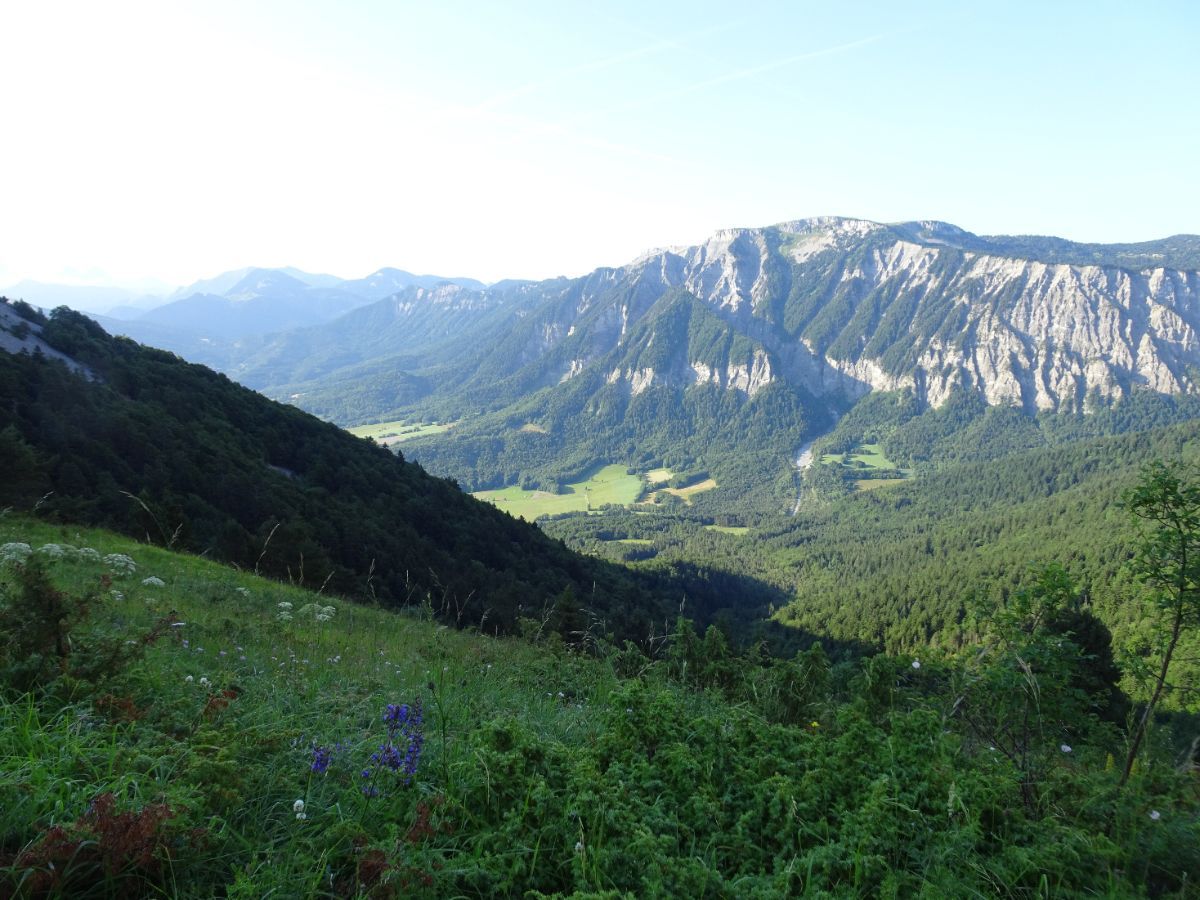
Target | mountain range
(753,342)
(782,328)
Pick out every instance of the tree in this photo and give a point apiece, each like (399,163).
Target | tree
(1168,562)
(1023,692)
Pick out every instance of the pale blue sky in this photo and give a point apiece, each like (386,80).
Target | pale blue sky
(528,139)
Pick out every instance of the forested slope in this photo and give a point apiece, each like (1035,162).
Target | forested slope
(176,454)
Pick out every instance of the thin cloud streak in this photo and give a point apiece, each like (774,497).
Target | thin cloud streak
(554,78)
(535,129)
(738,75)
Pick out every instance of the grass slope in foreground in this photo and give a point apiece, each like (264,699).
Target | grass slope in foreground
(210,733)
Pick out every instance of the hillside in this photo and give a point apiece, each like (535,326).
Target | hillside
(182,456)
(898,567)
(822,311)
(211,733)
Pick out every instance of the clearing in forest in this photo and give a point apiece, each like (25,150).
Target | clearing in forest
(398,432)
(607,484)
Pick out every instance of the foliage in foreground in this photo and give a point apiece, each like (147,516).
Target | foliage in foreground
(268,742)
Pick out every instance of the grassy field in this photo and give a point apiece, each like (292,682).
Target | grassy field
(684,493)
(866,456)
(874,484)
(728,529)
(870,455)
(398,432)
(609,484)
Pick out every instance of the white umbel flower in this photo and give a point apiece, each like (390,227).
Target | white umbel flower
(15,552)
(120,563)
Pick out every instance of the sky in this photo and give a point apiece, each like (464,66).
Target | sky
(167,142)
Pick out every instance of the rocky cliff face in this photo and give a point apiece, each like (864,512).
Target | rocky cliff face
(848,306)
(832,307)
(754,341)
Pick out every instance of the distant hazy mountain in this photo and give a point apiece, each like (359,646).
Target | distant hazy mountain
(88,298)
(404,325)
(386,282)
(205,321)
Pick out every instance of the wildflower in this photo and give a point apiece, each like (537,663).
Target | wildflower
(301,816)
(87,554)
(579,846)
(120,563)
(321,759)
(204,680)
(298,806)
(285,606)
(1065,748)
(285,616)
(402,751)
(116,595)
(153,581)
(56,551)
(189,679)
(14,553)
(916,664)
(1155,815)
(245,592)
(814,724)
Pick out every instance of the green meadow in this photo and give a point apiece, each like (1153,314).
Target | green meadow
(871,456)
(866,457)
(728,529)
(608,484)
(398,432)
